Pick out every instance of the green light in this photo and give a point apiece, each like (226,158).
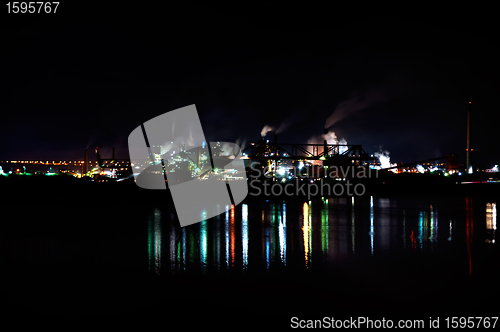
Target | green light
(192,248)
(150,244)
(324,230)
(179,254)
(203,242)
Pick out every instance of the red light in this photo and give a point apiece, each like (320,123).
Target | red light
(470,102)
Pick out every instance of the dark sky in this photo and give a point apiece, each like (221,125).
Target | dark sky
(400,78)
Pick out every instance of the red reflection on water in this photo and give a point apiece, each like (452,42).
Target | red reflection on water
(413,240)
(231,231)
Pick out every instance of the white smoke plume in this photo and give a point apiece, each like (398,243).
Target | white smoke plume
(241,143)
(285,124)
(395,86)
(383,158)
(342,149)
(357,101)
(265,130)
(228,149)
(331,138)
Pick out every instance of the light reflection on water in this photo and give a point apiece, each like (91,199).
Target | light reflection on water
(282,235)
(203,245)
(306,230)
(244,234)
(317,234)
(491,221)
(371,224)
(154,242)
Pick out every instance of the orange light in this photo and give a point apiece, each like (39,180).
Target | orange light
(470,102)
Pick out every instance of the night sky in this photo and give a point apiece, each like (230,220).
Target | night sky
(396,78)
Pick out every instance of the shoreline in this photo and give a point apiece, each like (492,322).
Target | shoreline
(385,185)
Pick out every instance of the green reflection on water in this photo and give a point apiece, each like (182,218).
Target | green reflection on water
(154,242)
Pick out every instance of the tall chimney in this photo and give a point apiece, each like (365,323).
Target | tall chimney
(468,160)
(199,155)
(275,144)
(325,153)
(85,162)
(113,153)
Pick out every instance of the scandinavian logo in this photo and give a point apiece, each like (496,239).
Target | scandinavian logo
(205,179)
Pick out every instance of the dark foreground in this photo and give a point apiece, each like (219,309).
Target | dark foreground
(74,254)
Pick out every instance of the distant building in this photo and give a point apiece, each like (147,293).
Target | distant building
(452,163)
(494,169)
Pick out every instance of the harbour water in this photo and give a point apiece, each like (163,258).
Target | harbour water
(263,261)
(317,234)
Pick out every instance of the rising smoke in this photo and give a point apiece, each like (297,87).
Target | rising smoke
(285,124)
(357,100)
(342,149)
(228,149)
(265,130)
(330,137)
(394,86)
(384,159)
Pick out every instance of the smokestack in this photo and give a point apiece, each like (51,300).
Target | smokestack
(85,162)
(113,153)
(275,144)
(325,151)
(199,155)
(468,160)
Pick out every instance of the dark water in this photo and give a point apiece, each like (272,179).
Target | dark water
(318,234)
(262,261)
